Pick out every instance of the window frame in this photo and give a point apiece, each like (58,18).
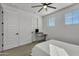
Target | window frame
(73,21)
(51,20)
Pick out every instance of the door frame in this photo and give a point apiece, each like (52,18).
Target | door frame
(2,28)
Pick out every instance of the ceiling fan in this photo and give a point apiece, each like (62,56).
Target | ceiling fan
(44,6)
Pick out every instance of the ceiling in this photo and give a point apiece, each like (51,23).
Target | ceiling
(28,7)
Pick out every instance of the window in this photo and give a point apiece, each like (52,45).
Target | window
(51,21)
(68,18)
(72,17)
(76,17)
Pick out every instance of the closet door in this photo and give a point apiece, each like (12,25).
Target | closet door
(25,28)
(10,30)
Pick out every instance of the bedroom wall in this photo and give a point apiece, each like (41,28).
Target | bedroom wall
(62,32)
(37,20)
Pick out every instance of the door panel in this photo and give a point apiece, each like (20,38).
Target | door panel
(17,23)
(10,30)
(25,29)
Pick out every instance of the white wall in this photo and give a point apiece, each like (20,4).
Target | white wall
(37,20)
(67,33)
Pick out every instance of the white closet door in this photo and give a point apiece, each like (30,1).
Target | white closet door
(10,30)
(25,29)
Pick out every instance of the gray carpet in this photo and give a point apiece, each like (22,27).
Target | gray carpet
(24,50)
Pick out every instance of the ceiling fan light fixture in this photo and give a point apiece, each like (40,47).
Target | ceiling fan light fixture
(45,7)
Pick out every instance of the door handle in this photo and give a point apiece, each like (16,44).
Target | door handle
(17,33)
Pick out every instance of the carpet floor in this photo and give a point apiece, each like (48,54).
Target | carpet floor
(24,50)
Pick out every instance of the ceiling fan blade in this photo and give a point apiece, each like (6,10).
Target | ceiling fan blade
(37,6)
(49,3)
(51,7)
(40,9)
(43,3)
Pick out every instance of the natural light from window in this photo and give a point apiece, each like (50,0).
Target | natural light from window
(51,21)
(72,17)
